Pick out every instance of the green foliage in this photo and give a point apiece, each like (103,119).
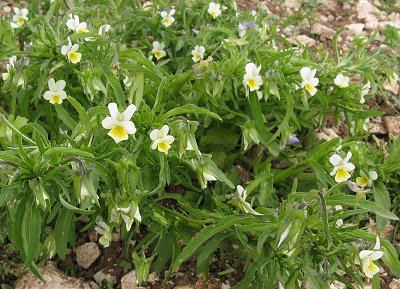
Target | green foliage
(62,161)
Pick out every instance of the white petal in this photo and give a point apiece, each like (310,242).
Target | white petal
(376,255)
(64,49)
(155,143)
(305,72)
(164,14)
(240,189)
(349,167)
(250,68)
(109,122)
(48,95)
(74,47)
(52,84)
(113,109)
(169,139)
(155,134)
(335,159)
(164,130)
(129,127)
(128,113)
(137,215)
(365,253)
(373,175)
(60,85)
(71,24)
(348,157)
(377,243)
(172,12)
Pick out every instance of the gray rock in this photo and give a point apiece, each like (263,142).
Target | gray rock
(128,281)
(101,275)
(87,254)
(322,31)
(54,279)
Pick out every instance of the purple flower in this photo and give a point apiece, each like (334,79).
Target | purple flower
(291,140)
(243,26)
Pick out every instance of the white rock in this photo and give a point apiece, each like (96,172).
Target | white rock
(322,31)
(128,281)
(355,28)
(395,284)
(365,8)
(101,275)
(87,254)
(54,278)
(94,285)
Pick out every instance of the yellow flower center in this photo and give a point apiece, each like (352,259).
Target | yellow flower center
(342,174)
(309,87)
(362,181)
(163,146)
(166,21)
(81,30)
(74,57)
(21,21)
(119,132)
(158,54)
(214,14)
(56,99)
(371,269)
(197,57)
(252,83)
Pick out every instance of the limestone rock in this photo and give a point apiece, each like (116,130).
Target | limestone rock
(395,284)
(304,39)
(54,279)
(365,8)
(128,281)
(322,31)
(392,124)
(355,28)
(101,275)
(87,254)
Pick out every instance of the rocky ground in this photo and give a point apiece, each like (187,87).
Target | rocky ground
(92,265)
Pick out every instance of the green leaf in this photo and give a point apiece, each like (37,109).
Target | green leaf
(31,230)
(190,108)
(354,201)
(67,151)
(206,234)
(114,82)
(65,117)
(73,208)
(382,198)
(266,137)
(62,229)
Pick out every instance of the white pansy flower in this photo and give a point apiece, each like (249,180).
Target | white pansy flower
(10,65)
(19,17)
(366,179)
(214,9)
(56,93)
(104,29)
(242,195)
(341,80)
(167,18)
(158,50)
(364,91)
(161,140)
(342,167)
(206,176)
(128,217)
(198,53)
(70,51)
(127,81)
(104,230)
(74,24)
(119,123)
(309,80)
(252,78)
(368,256)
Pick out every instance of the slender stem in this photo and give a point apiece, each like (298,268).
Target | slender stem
(11,126)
